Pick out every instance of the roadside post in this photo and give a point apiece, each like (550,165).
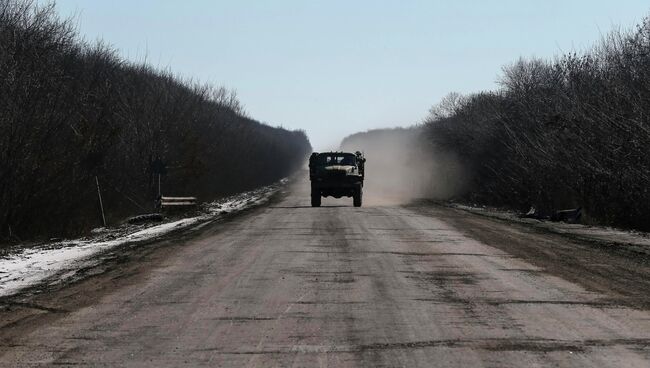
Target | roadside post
(159,168)
(101,204)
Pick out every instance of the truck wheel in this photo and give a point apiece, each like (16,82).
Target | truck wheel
(357,197)
(315,200)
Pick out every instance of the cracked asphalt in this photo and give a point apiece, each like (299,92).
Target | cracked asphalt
(288,285)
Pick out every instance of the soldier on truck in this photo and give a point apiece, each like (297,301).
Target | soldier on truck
(336,174)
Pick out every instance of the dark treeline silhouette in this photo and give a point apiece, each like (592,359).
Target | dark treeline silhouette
(71,111)
(565,133)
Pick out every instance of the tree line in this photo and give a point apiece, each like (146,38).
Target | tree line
(71,111)
(569,132)
(564,133)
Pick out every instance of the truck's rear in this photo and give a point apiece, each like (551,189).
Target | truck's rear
(336,174)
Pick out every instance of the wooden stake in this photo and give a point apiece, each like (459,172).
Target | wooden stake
(101,205)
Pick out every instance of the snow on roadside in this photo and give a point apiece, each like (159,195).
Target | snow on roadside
(635,240)
(26,267)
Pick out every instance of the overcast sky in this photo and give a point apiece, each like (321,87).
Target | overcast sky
(335,67)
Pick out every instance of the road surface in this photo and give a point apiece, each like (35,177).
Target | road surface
(379,286)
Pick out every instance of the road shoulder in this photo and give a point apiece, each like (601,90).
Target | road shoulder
(620,273)
(121,267)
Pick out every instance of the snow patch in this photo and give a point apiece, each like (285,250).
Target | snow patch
(60,260)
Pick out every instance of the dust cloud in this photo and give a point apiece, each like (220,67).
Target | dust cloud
(402,166)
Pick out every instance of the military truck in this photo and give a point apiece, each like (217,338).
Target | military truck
(336,174)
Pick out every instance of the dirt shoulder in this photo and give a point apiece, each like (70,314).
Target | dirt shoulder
(620,272)
(120,267)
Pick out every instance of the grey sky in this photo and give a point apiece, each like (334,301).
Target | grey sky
(338,67)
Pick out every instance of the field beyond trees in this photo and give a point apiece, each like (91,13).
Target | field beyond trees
(71,112)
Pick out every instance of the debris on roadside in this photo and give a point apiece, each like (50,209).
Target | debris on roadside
(149,217)
(533,213)
(570,216)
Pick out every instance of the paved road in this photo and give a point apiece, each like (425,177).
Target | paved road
(289,285)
